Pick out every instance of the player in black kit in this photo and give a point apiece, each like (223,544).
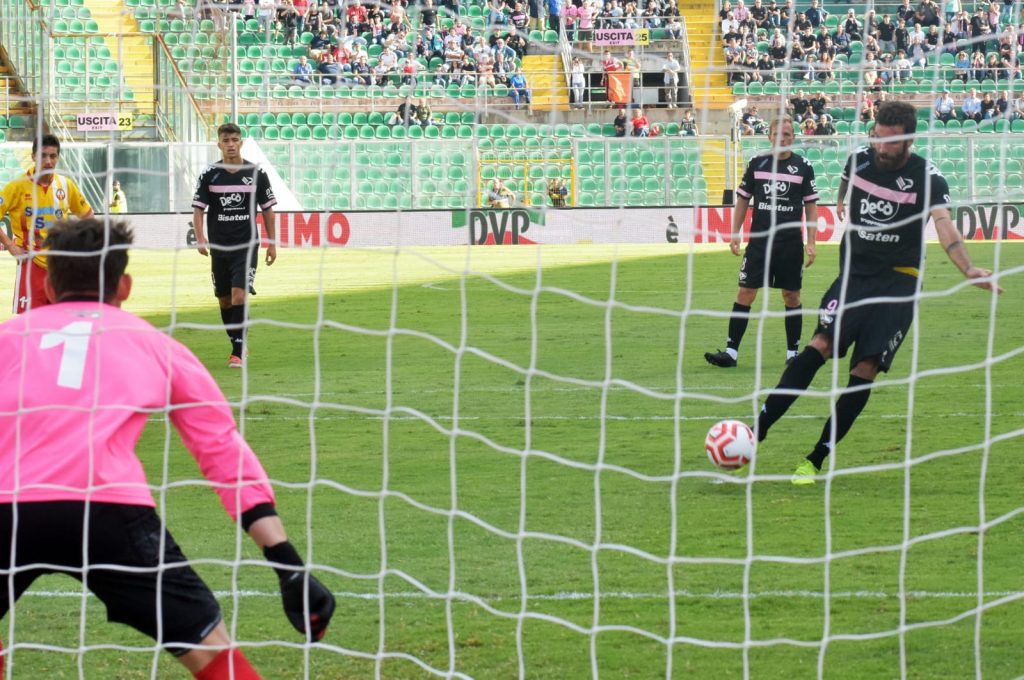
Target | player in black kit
(780,188)
(230,192)
(892,193)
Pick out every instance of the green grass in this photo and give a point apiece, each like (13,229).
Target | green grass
(490,438)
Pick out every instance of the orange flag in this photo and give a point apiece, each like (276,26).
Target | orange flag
(620,84)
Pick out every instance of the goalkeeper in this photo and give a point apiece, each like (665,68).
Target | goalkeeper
(78,380)
(870,306)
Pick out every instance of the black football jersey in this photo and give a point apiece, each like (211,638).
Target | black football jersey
(777,191)
(232,199)
(888,212)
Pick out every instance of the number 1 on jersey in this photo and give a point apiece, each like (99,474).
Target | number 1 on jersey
(74,341)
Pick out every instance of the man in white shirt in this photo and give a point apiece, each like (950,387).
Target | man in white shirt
(945,107)
(671,70)
(972,106)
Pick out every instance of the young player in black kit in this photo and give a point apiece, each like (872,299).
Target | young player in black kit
(780,188)
(892,193)
(230,192)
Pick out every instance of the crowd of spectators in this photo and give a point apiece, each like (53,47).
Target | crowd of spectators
(767,39)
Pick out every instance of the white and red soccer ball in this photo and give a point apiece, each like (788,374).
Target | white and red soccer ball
(730,444)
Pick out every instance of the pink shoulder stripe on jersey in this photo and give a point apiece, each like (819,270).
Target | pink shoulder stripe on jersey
(778,176)
(811,197)
(231,188)
(904,197)
(743,193)
(268,204)
(199,204)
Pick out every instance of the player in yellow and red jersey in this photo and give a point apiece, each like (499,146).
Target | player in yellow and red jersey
(34,202)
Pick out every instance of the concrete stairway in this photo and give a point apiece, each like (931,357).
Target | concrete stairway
(546,78)
(707,64)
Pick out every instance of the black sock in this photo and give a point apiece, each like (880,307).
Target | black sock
(794,322)
(237,316)
(797,376)
(225,317)
(737,325)
(848,407)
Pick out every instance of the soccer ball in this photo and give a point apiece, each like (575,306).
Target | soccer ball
(730,444)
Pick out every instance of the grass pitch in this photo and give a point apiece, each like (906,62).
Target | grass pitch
(501,473)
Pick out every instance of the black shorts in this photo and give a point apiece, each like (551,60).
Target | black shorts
(785,265)
(233,269)
(160,596)
(875,327)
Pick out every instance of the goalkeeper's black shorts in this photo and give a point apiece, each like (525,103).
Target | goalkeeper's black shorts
(858,317)
(143,584)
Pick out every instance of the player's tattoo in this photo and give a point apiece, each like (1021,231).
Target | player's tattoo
(954,244)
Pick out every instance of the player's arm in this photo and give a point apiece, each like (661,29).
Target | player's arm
(739,214)
(271,226)
(205,422)
(811,219)
(198,219)
(951,242)
(7,198)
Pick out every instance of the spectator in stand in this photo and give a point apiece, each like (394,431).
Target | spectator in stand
(499,195)
(557,192)
(362,72)
(554,15)
(641,127)
(988,106)
(501,48)
(901,68)
(928,14)
(949,45)
(485,70)
(962,66)
(671,69)
(751,122)
(902,35)
(570,17)
(302,73)
(330,72)
(428,14)
(519,89)
(906,13)
(1002,106)
(301,14)
(867,109)
(1018,108)
(741,14)
(819,104)
(620,124)
(800,106)
(518,44)
(759,15)
(887,35)
(978,70)
(816,15)
(808,127)
(825,128)
(356,19)
(424,114)
(674,26)
(632,64)
(852,26)
(993,17)
(388,60)
(688,126)
(287,22)
(945,107)
(971,108)
(397,17)
(578,81)
(320,45)
(536,9)
(406,114)
(961,25)
(502,70)
(994,68)
(519,17)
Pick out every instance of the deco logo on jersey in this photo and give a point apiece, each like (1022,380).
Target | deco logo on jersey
(776,187)
(879,210)
(231,201)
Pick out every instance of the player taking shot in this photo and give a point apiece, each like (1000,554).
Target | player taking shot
(780,188)
(79,378)
(229,192)
(34,201)
(891,193)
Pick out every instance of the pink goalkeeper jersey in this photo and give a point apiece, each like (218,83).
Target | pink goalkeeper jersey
(78,381)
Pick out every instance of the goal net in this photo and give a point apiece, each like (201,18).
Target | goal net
(485,427)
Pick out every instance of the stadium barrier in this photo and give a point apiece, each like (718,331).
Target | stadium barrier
(524,226)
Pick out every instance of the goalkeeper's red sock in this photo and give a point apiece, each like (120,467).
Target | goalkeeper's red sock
(230,664)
